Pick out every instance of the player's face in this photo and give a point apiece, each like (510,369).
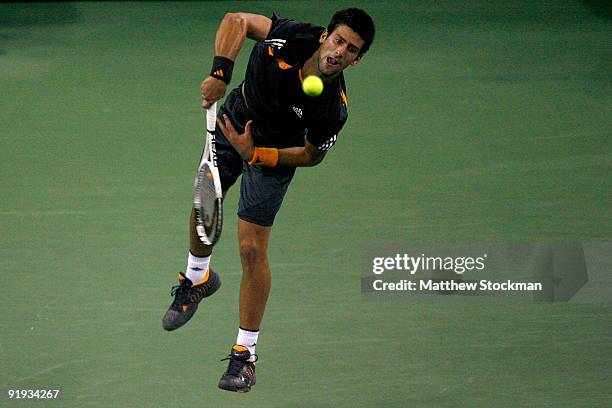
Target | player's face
(339,49)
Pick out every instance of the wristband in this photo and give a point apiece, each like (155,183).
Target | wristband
(222,69)
(265,156)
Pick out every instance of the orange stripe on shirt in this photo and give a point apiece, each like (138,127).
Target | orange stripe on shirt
(344,99)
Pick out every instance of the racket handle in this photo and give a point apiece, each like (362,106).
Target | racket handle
(211,118)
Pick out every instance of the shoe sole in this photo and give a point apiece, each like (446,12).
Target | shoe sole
(235,389)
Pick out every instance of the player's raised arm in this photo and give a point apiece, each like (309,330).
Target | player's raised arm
(235,28)
(232,32)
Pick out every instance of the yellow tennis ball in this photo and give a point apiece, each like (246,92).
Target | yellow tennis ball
(312,85)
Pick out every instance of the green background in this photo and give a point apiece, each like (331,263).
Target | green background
(469,121)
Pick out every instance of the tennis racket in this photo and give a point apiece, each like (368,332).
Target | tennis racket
(207,197)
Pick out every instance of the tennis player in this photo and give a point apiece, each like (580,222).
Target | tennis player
(266,128)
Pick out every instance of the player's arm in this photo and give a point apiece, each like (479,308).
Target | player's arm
(234,29)
(306,156)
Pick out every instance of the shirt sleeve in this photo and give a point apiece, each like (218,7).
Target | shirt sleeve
(281,28)
(291,39)
(322,137)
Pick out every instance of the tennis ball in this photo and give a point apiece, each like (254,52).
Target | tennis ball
(312,85)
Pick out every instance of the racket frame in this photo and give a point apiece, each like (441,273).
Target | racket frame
(209,157)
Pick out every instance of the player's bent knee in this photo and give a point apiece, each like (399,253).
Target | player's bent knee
(252,250)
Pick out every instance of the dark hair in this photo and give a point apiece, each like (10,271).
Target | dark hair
(359,21)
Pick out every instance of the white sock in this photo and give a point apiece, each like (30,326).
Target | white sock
(248,339)
(197,268)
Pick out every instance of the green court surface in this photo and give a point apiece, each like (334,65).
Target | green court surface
(469,121)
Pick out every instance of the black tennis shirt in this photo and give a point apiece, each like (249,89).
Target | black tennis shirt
(282,114)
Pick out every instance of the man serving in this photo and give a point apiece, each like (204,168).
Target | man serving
(267,127)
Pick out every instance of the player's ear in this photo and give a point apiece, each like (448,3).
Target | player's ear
(357,60)
(323,36)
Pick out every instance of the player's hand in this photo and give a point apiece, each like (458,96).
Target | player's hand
(243,143)
(212,89)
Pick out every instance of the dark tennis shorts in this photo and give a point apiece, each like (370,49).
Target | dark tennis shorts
(262,188)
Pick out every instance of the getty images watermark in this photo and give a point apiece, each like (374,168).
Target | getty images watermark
(458,265)
(518,271)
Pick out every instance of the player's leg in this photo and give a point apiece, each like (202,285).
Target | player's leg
(261,195)
(256,278)
(196,246)
(199,280)
(254,290)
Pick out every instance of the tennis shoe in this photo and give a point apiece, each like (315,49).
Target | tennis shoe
(187,296)
(240,373)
